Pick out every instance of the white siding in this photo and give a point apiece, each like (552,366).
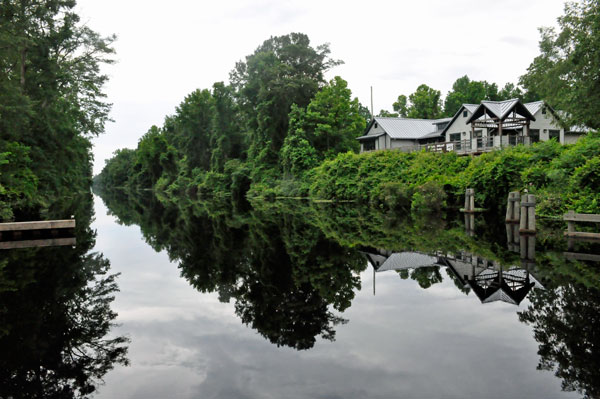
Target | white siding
(571,138)
(459,126)
(545,122)
(403,143)
(375,129)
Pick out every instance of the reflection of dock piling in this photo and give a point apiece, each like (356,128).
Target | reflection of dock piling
(470,224)
(37,234)
(521,243)
(527,244)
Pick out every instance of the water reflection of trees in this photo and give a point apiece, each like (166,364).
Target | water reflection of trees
(566,323)
(286,278)
(55,317)
(287,266)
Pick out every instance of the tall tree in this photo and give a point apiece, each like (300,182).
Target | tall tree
(284,70)
(567,72)
(401,106)
(330,124)
(425,103)
(51,96)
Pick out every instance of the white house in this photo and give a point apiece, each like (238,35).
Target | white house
(390,133)
(544,124)
(474,128)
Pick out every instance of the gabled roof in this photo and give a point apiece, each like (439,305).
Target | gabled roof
(501,109)
(469,107)
(407,260)
(534,107)
(405,128)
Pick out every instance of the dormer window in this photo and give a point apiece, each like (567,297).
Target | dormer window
(465,113)
(375,125)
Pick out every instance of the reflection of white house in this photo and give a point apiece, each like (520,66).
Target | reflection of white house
(489,280)
(474,128)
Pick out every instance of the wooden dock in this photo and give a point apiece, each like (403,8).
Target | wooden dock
(571,218)
(38,225)
(52,242)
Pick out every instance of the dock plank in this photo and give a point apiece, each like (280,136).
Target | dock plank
(38,225)
(37,243)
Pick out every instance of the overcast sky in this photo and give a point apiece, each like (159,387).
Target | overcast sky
(165,50)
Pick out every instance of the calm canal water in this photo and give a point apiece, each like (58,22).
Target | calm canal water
(306,301)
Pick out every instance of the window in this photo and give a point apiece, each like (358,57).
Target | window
(535,135)
(544,110)
(455,137)
(376,125)
(465,113)
(369,145)
(554,134)
(478,133)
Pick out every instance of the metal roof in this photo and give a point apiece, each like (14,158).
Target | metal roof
(471,107)
(534,107)
(406,128)
(501,109)
(407,260)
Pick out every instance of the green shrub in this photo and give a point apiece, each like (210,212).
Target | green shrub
(395,196)
(429,197)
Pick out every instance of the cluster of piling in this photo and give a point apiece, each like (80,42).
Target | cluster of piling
(521,210)
(469,201)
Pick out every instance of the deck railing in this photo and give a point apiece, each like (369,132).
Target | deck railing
(471,146)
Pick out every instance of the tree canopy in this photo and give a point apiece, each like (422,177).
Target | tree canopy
(51,99)
(567,72)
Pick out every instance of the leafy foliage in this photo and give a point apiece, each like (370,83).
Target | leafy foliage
(51,100)
(565,74)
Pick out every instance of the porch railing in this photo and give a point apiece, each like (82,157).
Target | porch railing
(471,146)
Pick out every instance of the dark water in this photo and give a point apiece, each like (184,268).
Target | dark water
(299,300)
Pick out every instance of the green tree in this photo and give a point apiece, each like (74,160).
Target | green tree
(425,103)
(565,74)
(284,70)
(331,122)
(51,97)
(228,139)
(401,106)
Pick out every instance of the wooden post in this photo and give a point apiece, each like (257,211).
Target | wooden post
(517,208)
(531,213)
(512,207)
(523,218)
(472,200)
(527,223)
(500,132)
(570,223)
(467,200)
(509,208)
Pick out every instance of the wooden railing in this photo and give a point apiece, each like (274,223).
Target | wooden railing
(470,146)
(571,218)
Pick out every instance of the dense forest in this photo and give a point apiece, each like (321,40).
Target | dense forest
(51,104)
(279,129)
(55,302)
